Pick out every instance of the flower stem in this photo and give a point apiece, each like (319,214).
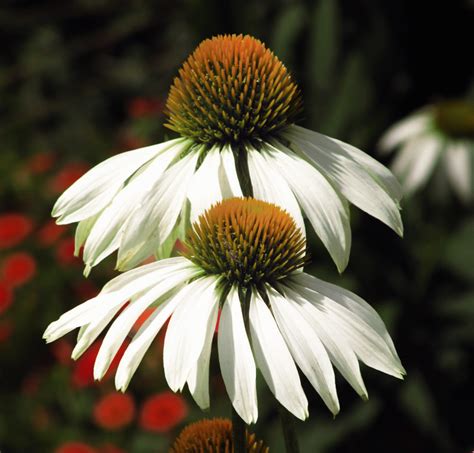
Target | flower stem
(238,433)
(289,433)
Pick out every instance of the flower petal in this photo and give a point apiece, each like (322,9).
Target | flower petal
(236,359)
(352,180)
(305,346)
(228,179)
(157,216)
(320,202)
(274,360)
(93,191)
(268,185)
(458,163)
(187,331)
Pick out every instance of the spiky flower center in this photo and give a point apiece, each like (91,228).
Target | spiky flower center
(246,241)
(212,436)
(231,89)
(455,119)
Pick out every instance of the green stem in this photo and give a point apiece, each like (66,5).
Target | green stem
(238,433)
(289,433)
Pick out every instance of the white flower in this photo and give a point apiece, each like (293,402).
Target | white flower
(245,258)
(440,134)
(236,118)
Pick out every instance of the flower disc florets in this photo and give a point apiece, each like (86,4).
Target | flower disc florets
(455,119)
(212,436)
(247,241)
(232,88)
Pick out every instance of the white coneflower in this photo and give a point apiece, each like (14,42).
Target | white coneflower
(245,257)
(234,106)
(442,134)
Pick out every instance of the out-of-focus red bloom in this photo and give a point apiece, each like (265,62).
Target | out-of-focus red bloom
(142,318)
(6,329)
(114,411)
(110,448)
(86,290)
(140,107)
(83,376)
(6,296)
(50,232)
(162,412)
(65,252)
(69,174)
(40,162)
(75,447)
(61,351)
(13,229)
(18,269)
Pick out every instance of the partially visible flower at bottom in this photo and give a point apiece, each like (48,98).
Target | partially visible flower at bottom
(162,412)
(75,447)
(114,411)
(212,435)
(244,257)
(440,134)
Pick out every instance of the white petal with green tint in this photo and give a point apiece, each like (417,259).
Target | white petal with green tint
(236,359)
(274,359)
(318,199)
(160,209)
(186,333)
(305,347)
(351,178)
(269,185)
(458,158)
(93,191)
(228,179)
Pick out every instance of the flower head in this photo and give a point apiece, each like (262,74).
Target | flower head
(212,435)
(244,257)
(440,134)
(234,105)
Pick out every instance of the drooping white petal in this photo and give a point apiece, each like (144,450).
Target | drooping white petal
(104,237)
(349,300)
(274,360)
(236,359)
(415,161)
(352,179)
(268,185)
(204,188)
(113,296)
(82,231)
(124,322)
(305,346)
(320,202)
(228,179)
(369,346)
(158,213)
(93,191)
(143,338)
(339,350)
(187,330)
(406,129)
(378,171)
(458,163)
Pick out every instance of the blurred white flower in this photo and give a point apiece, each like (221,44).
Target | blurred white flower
(245,257)
(234,104)
(440,134)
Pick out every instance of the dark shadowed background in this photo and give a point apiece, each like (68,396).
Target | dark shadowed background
(82,80)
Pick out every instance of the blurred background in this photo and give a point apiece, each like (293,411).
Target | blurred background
(83,80)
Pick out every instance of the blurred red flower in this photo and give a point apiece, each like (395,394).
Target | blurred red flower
(65,252)
(163,412)
(13,229)
(69,174)
(114,411)
(140,107)
(83,376)
(40,162)
(6,329)
(75,447)
(142,318)
(50,233)
(61,351)
(6,296)
(110,448)
(18,269)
